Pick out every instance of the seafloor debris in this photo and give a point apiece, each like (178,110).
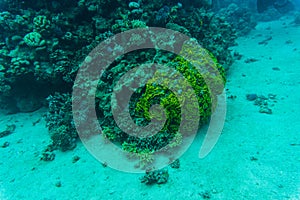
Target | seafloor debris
(237,56)
(5,144)
(263,102)
(205,195)
(265,41)
(265,109)
(251,97)
(75,159)
(276,68)
(250,60)
(175,164)
(9,130)
(158,176)
(297,19)
(48,155)
(58,184)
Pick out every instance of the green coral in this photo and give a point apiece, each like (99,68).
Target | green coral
(130,147)
(146,158)
(108,133)
(176,141)
(202,84)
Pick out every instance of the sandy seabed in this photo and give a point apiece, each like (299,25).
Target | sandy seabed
(256,157)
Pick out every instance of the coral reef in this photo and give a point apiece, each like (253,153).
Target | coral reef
(60,122)
(212,31)
(43,44)
(241,19)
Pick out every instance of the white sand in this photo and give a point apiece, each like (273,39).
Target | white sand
(226,173)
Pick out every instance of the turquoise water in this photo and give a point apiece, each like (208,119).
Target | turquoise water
(96,103)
